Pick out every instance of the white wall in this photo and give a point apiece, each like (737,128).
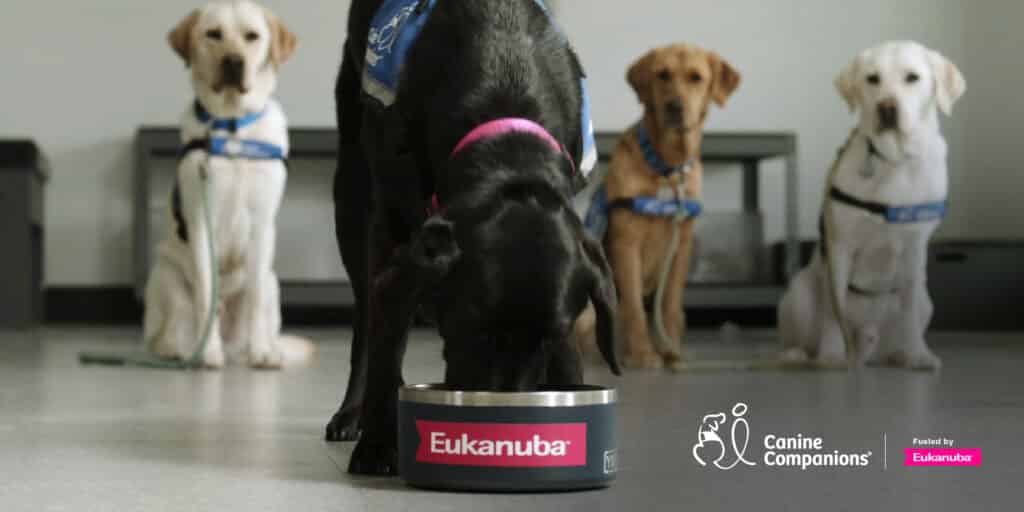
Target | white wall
(994,109)
(81,77)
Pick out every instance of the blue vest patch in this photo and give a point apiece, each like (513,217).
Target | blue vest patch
(393,32)
(917,213)
(596,218)
(246,149)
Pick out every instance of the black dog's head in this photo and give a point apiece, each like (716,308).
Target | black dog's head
(516,271)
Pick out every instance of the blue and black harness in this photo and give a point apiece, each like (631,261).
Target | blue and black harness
(596,218)
(226,147)
(904,214)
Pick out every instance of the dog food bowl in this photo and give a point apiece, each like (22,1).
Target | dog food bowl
(555,439)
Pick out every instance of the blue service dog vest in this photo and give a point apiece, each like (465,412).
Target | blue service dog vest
(393,32)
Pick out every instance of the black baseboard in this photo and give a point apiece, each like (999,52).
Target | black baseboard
(118,306)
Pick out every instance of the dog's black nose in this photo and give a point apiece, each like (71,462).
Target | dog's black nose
(674,107)
(888,115)
(233,67)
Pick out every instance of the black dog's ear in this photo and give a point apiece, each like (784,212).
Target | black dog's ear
(434,249)
(604,299)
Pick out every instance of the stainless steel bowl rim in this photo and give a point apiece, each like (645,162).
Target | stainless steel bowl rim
(433,394)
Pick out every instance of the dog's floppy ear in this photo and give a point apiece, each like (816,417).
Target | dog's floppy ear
(434,249)
(282,40)
(604,299)
(725,79)
(639,77)
(848,83)
(180,36)
(949,82)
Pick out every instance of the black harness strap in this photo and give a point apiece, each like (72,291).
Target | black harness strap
(179,218)
(625,203)
(871,206)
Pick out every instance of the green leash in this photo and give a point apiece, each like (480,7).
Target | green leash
(146,360)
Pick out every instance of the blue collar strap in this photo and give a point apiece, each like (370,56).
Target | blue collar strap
(231,125)
(654,159)
(925,212)
(245,149)
(658,207)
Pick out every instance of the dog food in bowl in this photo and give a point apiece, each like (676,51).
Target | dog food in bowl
(555,439)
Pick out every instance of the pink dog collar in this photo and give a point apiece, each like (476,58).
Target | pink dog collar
(502,126)
(496,128)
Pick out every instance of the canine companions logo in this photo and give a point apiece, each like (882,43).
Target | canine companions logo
(382,38)
(711,447)
(781,451)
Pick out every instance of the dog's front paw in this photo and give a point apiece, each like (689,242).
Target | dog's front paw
(265,357)
(643,361)
(921,360)
(832,360)
(675,360)
(796,355)
(374,458)
(344,426)
(213,354)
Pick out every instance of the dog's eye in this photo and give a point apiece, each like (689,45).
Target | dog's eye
(912,78)
(215,34)
(252,36)
(874,79)
(664,75)
(695,77)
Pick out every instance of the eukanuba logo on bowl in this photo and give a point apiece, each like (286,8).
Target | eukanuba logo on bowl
(502,444)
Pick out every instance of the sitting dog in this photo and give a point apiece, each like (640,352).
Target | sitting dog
(653,180)
(453,191)
(885,199)
(235,135)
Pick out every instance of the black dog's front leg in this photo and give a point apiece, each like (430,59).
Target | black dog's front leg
(394,299)
(391,310)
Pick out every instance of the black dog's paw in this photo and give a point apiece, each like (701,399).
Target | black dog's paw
(344,426)
(374,458)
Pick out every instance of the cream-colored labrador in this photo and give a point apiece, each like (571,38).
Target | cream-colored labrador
(886,199)
(236,135)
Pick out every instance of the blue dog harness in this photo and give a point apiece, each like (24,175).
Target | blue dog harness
(394,30)
(244,149)
(596,218)
(908,214)
(228,147)
(654,160)
(911,214)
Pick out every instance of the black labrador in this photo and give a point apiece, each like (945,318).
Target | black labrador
(505,267)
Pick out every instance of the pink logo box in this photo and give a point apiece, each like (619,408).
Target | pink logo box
(502,444)
(942,457)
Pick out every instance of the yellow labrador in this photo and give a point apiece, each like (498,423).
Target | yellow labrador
(887,197)
(235,135)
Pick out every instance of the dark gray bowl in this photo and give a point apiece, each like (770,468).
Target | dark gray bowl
(550,440)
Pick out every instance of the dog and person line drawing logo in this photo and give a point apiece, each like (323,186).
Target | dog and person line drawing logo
(709,442)
(727,451)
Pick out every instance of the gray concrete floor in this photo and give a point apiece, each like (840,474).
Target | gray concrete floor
(109,439)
